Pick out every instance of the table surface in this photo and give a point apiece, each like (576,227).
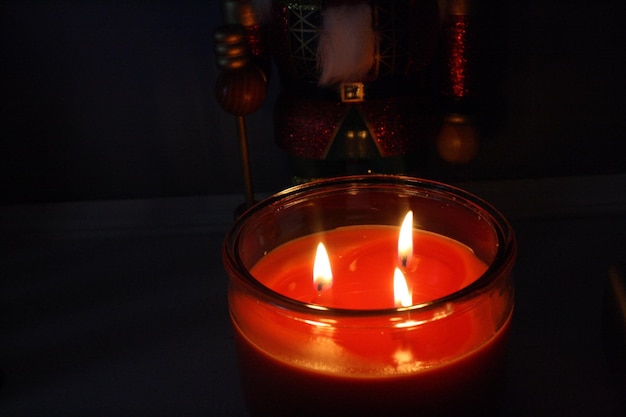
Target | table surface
(118,308)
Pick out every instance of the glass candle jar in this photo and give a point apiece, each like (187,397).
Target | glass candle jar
(349,346)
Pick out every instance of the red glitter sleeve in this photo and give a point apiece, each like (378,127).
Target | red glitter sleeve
(459,55)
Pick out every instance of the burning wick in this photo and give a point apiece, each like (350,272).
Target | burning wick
(322,274)
(401,292)
(405,241)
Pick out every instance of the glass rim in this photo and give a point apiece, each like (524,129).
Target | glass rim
(500,265)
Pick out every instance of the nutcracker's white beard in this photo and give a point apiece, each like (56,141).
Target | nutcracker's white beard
(262,9)
(347,41)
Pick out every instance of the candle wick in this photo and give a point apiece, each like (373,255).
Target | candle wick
(320,286)
(405,261)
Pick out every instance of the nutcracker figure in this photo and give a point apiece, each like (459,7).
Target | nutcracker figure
(365,86)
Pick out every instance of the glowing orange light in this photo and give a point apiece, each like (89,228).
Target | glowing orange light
(322,274)
(401,290)
(405,241)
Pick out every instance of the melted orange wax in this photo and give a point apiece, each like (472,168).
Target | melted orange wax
(363,259)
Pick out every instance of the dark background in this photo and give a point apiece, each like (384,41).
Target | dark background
(117,307)
(114,99)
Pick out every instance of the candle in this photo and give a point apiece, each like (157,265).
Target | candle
(363,260)
(378,328)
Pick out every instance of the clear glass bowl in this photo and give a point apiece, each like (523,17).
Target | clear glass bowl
(436,357)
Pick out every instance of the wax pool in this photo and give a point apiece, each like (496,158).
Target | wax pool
(302,363)
(363,260)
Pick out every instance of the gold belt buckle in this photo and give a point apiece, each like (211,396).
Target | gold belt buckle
(352,92)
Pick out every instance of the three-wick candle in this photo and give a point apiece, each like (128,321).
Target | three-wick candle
(343,341)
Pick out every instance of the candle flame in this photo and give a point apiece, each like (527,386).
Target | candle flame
(401,290)
(405,241)
(322,274)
